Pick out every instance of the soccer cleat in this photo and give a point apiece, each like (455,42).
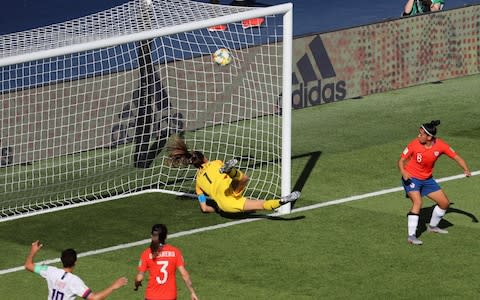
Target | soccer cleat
(255,22)
(436,229)
(414,240)
(218,28)
(290,197)
(228,166)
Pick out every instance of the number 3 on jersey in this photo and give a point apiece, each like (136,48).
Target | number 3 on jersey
(163,277)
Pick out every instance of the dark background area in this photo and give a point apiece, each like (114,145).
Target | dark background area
(310,16)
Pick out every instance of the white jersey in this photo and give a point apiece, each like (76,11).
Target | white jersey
(62,285)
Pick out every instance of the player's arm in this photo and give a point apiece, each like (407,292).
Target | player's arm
(404,158)
(408,7)
(188,282)
(202,200)
(401,166)
(453,155)
(138,280)
(29,263)
(462,165)
(106,292)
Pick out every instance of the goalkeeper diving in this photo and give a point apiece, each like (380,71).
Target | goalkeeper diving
(222,182)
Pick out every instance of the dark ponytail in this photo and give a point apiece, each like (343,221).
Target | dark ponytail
(431,128)
(179,154)
(159,235)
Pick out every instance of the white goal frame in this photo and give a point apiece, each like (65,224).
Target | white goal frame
(284,9)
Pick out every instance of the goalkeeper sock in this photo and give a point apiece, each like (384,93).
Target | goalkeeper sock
(271,204)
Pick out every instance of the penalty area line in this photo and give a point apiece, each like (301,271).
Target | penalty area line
(228,224)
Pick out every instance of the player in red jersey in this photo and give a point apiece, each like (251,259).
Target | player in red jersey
(416,166)
(162,261)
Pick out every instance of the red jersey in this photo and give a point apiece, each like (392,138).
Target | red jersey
(421,160)
(162,280)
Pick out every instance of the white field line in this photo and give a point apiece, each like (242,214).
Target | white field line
(228,224)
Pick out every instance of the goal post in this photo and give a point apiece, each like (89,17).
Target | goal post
(88,105)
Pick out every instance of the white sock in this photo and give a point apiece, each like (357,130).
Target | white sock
(437,215)
(412,224)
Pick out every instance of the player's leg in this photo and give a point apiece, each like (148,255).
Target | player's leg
(239,183)
(438,211)
(239,179)
(412,187)
(413,216)
(416,200)
(252,205)
(270,204)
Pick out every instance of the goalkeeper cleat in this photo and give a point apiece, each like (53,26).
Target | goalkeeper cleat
(228,166)
(414,240)
(436,229)
(290,198)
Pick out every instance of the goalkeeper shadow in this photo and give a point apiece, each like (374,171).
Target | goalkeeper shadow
(255,215)
(250,214)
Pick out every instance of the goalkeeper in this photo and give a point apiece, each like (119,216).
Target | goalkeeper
(221,182)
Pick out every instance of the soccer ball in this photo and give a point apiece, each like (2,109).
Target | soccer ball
(222,57)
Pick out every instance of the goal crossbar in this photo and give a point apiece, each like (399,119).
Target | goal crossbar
(134,37)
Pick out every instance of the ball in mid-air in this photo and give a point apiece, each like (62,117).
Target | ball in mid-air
(222,57)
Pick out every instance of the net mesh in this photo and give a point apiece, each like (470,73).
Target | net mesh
(93,125)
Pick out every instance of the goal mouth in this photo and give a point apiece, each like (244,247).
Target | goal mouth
(88,109)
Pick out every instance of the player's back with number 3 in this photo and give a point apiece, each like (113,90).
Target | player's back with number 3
(165,263)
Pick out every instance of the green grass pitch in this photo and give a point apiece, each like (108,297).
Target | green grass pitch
(355,250)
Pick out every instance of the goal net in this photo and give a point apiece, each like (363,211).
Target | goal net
(88,105)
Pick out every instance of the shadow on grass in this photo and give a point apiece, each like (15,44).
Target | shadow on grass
(254,215)
(426,215)
(250,215)
(310,165)
(302,179)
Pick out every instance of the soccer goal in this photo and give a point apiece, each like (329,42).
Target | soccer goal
(88,105)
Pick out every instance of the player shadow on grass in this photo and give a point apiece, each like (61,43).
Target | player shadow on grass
(249,214)
(426,214)
(255,215)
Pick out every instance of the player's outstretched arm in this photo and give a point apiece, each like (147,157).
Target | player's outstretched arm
(106,292)
(29,263)
(205,208)
(202,201)
(463,165)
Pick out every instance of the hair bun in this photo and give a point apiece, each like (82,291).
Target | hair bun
(435,122)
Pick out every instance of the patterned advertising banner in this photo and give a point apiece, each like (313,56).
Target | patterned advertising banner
(385,56)
(64,117)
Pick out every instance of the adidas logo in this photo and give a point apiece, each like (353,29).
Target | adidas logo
(311,89)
